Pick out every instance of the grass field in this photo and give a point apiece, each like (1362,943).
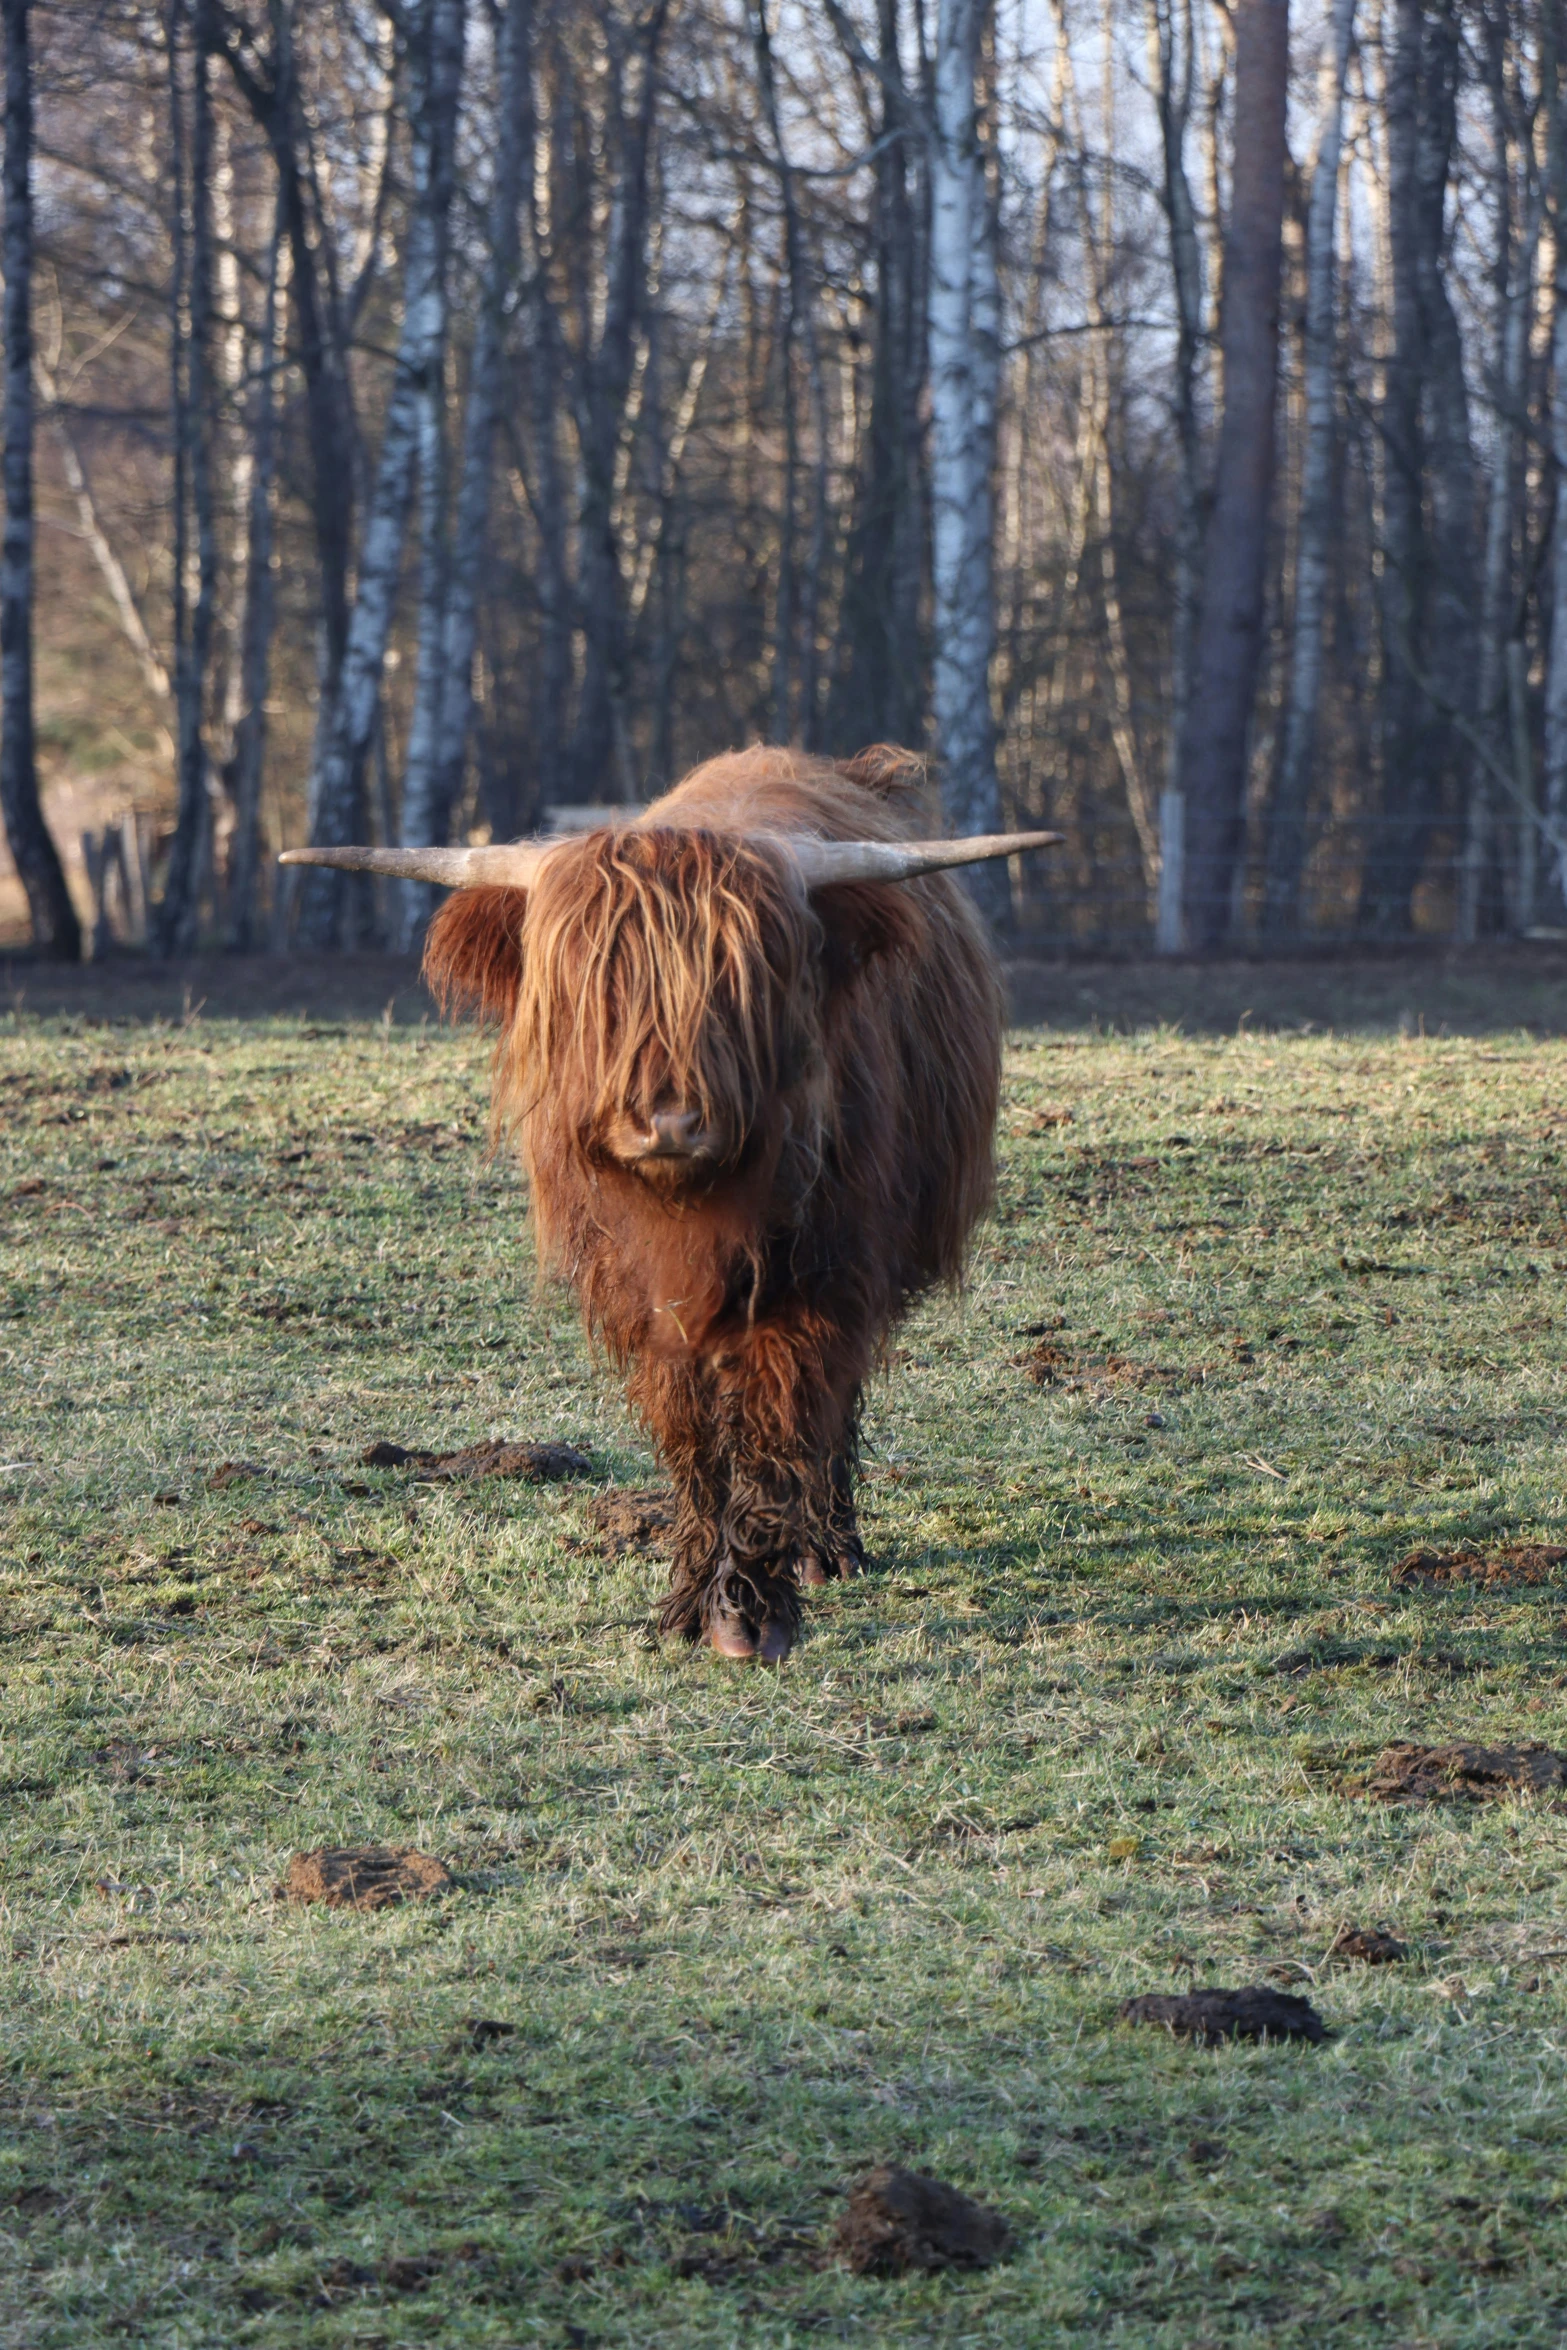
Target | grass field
(1256,1316)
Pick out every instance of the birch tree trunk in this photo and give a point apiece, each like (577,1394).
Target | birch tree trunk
(964,355)
(56,931)
(248,760)
(438,740)
(175,920)
(435,41)
(1229,639)
(1314,548)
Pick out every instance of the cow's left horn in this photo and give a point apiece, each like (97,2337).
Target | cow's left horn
(823,862)
(512,864)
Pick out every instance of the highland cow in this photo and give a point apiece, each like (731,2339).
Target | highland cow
(750,1048)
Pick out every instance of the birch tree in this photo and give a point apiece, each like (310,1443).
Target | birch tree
(248,758)
(438,739)
(964,365)
(435,45)
(56,931)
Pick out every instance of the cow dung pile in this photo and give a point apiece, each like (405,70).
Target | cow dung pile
(1509,1563)
(366,1876)
(538,1463)
(900,2219)
(1211,2016)
(1371,1946)
(1460,1772)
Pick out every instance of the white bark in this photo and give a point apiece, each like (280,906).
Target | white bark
(252,665)
(963,318)
(1313,553)
(336,786)
(438,739)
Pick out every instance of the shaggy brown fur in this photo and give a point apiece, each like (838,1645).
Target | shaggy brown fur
(842,1057)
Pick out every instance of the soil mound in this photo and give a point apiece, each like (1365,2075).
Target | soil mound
(1371,1946)
(1211,2016)
(538,1463)
(1461,1772)
(899,2219)
(368,1876)
(229,1473)
(640,1519)
(1509,1563)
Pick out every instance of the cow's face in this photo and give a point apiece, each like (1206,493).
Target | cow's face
(671,1008)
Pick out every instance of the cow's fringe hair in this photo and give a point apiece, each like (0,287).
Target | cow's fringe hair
(663,964)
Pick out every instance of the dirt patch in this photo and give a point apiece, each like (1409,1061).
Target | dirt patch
(899,2219)
(229,1473)
(538,1464)
(1460,1772)
(1210,2016)
(1370,1945)
(1509,1563)
(639,1520)
(363,1876)
(1052,1364)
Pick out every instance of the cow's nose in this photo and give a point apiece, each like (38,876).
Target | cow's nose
(674,1134)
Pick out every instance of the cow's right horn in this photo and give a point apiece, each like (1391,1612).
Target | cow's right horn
(823,862)
(513,864)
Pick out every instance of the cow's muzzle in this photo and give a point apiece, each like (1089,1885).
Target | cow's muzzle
(670,1141)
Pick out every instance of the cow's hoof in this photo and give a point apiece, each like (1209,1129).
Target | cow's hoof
(837,1565)
(775,1640)
(751,1614)
(730,1635)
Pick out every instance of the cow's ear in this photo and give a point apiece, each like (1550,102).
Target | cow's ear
(892,774)
(864,919)
(473,952)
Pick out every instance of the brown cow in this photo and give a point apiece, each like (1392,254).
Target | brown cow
(750,1048)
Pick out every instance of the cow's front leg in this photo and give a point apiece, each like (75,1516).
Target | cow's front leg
(732,1584)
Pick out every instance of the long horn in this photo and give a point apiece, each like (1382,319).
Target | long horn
(823,862)
(511,864)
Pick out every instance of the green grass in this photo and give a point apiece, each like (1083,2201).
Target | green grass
(755,1932)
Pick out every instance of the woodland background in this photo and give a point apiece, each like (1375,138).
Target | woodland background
(445,412)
